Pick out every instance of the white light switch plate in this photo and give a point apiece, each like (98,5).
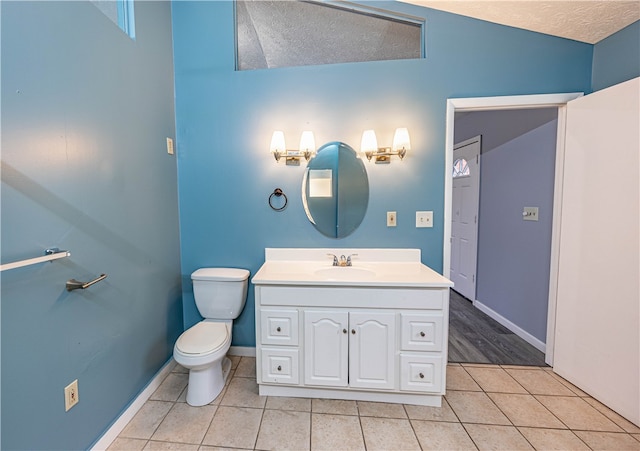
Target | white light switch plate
(170,146)
(530,213)
(424,219)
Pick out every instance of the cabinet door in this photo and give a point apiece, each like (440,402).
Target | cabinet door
(372,344)
(325,348)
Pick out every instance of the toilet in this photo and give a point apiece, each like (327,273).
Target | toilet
(220,295)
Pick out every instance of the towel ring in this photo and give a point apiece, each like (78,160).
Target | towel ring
(278,192)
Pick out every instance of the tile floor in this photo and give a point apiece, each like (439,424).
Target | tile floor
(486,407)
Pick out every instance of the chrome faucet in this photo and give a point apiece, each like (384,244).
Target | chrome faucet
(343,261)
(335,260)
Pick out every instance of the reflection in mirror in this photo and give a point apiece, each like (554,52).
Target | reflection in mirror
(335,190)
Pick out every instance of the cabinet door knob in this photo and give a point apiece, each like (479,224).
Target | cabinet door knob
(421,375)
(278,329)
(422,334)
(344,331)
(353,331)
(280,368)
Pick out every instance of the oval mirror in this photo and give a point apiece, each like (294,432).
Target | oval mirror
(335,190)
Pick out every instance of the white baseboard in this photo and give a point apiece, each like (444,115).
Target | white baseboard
(112,433)
(526,336)
(244,351)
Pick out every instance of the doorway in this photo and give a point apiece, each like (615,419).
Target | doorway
(512,103)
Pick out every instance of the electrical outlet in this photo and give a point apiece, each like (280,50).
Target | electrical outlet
(424,219)
(71,395)
(391,219)
(170,146)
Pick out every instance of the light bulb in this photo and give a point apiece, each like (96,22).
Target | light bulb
(369,142)
(277,142)
(307,142)
(401,140)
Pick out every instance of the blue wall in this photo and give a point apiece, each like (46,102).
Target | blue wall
(225,120)
(85,114)
(617,58)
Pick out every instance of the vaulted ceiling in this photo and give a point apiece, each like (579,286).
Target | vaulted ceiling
(585,21)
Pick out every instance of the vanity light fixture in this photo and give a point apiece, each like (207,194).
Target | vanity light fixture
(292,157)
(401,144)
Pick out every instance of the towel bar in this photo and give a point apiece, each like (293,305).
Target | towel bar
(50,255)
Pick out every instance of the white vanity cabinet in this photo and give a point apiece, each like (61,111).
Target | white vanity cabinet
(375,332)
(325,343)
(349,348)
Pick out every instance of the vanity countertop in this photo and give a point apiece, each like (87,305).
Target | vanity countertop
(370,268)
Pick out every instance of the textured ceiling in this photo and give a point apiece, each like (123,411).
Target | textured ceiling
(586,21)
(275,33)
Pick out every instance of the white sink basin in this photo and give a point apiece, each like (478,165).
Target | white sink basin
(345,273)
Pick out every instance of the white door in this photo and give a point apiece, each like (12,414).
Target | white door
(464,217)
(372,349)
(597,333)
(326,348)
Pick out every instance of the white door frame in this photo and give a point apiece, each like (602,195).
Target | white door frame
(501,103)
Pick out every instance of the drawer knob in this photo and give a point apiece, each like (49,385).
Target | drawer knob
(279,368)
(421,376)
(353,331)
(344,331)
(422,334)
(278,329)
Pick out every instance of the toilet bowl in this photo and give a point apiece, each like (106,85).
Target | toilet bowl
(202,349)
(220,295)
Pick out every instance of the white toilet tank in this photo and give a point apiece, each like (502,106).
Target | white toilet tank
(220,293)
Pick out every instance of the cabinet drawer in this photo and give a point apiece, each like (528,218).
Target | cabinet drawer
(354,297)
(421,373)
(280,366)
(421,332)
(279,327)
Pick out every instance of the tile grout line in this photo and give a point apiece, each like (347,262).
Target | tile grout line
(500,410)
(507,373)
(568,430)
(364,440)
(412,427)
(469,435)
(545,407)
(255,443)
(620,432)
(590,406)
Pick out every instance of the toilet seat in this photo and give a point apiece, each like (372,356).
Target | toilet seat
(203,338)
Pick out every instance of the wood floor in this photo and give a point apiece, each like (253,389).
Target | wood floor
(474,337)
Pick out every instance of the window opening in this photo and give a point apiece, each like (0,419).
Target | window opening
(271,34)
(120,12)
(461,168)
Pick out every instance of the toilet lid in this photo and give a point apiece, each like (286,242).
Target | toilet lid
(221,274)
(204,337)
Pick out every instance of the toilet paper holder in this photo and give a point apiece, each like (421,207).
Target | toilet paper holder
(74,284)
